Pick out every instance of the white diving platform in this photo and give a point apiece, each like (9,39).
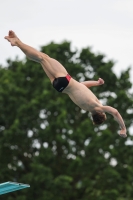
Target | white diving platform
(11,187)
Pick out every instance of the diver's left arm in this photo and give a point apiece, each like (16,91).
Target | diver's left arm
(93,83)
(117,117)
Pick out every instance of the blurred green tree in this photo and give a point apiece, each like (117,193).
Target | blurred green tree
(51,144)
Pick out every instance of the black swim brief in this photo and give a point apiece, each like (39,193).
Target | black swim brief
(61,83)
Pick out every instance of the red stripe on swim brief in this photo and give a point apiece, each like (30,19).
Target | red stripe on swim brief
(68,77)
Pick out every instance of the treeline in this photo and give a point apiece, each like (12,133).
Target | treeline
(50,143)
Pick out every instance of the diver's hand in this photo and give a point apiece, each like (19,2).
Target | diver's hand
(123,133)
(100,81)
(12,38)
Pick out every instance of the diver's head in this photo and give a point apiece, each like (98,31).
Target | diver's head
(98,117)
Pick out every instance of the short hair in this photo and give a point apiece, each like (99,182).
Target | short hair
(98,118)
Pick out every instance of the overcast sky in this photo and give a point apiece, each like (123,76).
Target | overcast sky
(105,25)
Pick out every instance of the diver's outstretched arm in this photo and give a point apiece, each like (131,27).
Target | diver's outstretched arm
(117,117)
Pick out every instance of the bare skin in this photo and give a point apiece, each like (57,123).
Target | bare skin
(79,93)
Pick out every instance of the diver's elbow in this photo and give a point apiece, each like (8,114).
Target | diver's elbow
(115,112)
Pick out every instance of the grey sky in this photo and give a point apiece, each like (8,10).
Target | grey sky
(107,26)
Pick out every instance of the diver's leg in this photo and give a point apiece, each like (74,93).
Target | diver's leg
(51,66)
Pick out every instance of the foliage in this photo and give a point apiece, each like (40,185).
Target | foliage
(51,144)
